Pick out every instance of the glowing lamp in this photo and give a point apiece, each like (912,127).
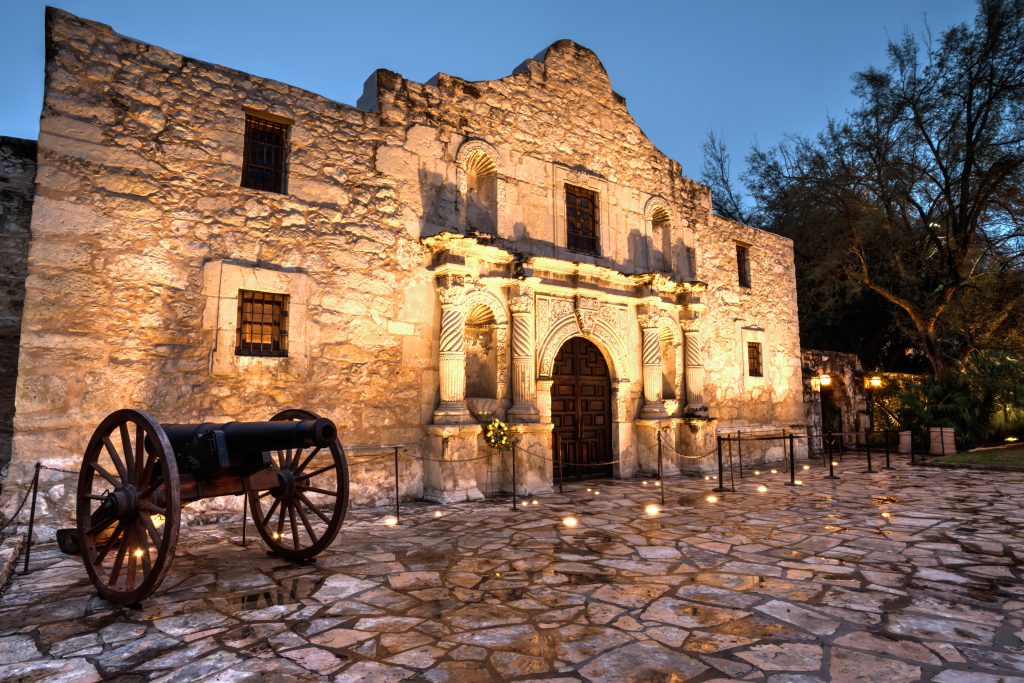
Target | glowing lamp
(570,521)
(438,513)
(275,536)
(825,380)
(775,471)
(873,382)
(534,502)
(652,509)
(762,489)
(390,521)
(757,473)
(138,553)
(807,467)
(798,482)
(712,499)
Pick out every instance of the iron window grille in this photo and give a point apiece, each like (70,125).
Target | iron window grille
(581,220)
(264,163)
(754,365)
(262,324)
(743,264)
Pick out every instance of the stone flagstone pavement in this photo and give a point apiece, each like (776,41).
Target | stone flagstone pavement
(900,576)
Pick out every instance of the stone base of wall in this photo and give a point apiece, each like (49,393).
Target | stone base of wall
(449,467)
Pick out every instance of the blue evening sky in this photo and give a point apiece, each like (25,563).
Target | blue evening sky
(752,71)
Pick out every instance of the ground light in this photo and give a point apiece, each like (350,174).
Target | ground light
(762,489)
(534,502)
(390,521)
(774,471)
(438,513)
(798,482)
(757,473)
(138,553)
(807,467)
(652,509)
(570,521)
(712,499)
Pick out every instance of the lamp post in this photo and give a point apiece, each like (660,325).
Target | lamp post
(872,384)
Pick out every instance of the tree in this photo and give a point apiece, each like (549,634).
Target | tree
(916,199)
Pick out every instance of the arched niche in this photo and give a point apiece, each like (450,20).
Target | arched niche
(659,250)
(671,345)
(481,187)
(486,345)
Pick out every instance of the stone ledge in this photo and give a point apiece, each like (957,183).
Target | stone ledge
(10,550)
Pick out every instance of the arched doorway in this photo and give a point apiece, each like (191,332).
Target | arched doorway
(581,410)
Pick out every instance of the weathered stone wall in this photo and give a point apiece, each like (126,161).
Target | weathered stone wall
(142,237)
(764,313)
(138,193)
(17,173)
(844,397)
(555,120)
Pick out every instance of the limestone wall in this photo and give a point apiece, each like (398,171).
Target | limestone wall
(556,120)
(764,313)
(139,206)
(17,173)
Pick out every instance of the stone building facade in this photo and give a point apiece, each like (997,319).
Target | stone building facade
(450,251)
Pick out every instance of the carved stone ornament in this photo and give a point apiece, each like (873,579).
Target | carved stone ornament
(586,313)
(648,316)
(451,290)
(521,299)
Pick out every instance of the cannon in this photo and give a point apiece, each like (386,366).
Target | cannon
(137,474)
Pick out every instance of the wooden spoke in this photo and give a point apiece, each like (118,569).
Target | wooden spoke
(153,532)
(117,464)
(147,566)
(118,562)
(263,494)
(109,544)
(280,460)
(289,455)
(316,472)
(280,522)
(314,489)
(314,508)
(305,523)
(140,452)
(126,449)
(298,470)
(147,473)
(95,496)
(270,512)
(129,575)
(295,528)
(152,508)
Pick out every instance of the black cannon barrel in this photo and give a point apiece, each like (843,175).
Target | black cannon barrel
(258,437)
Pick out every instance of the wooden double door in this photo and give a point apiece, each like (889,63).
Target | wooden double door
(581,410)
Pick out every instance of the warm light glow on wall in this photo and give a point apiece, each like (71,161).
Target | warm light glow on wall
(826,380)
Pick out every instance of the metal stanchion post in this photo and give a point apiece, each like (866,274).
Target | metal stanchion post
(661,478)
(398,509)
(558,448)
(888,465)
(245,516)
(831,466)
(739,455)
(792,463)
(867,446)
(32,516)
(912,461)
(514,476)
(721,469)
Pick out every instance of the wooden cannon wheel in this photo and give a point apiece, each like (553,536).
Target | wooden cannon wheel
(128,506)
(301,517)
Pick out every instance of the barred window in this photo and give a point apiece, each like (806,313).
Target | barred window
(743,264)
(581,219)
(754,365)
(262,324)
(264,163)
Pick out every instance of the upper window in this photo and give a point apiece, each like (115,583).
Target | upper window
(743,264)
(581,219)
(264,163)
(262,324)
(755,367)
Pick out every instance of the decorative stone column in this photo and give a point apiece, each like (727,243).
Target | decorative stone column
(693,360)
(653,406)
(452,352)
(524,381)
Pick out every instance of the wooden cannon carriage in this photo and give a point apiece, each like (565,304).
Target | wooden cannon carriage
(137,474)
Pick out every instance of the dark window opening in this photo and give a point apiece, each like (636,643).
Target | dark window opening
(754,366)
(743,264)
(262,324)
(264,164)
(581,219)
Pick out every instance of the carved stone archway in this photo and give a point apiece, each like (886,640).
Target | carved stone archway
(468,149)
(481,296)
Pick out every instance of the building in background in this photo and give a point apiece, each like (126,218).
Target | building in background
(210,245)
